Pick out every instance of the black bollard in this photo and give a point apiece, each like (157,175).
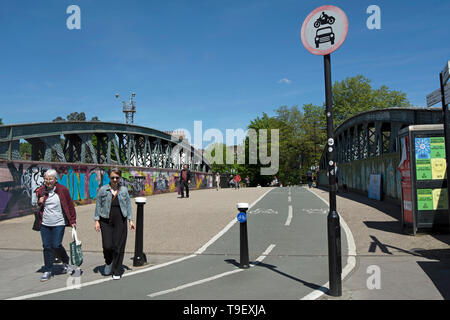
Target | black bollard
(242,218)
(139,256)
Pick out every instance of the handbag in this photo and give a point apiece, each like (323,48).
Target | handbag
(36,223)
(76,253)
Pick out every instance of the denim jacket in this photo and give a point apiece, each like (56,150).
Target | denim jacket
(103,204)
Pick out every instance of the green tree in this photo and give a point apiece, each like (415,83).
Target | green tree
(58,119)
(313,135)
(355,95)
(75,116)
(303,131)
(254,170)
(216,156)
(25,150)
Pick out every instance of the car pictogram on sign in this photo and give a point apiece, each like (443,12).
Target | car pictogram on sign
(324,30)
(324,35)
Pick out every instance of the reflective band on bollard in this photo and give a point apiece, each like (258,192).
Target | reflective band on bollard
(242,218)
(139,256)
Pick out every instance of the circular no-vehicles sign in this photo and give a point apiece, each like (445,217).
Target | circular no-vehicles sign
(324,30)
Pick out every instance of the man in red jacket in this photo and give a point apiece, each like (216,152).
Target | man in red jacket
(56,211)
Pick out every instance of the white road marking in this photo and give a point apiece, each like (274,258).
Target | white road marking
(289,218)
(351,260)
(289,198)
(86,284)
(228,226)
(217,276)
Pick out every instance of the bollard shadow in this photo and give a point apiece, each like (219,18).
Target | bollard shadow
(274,269)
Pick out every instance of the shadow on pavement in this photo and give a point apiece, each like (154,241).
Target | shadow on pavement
(387,226)
(393,210)
(437,271)
(389,207)
(101,269)
(273,268)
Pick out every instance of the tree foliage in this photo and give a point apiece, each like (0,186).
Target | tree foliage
(302,131)
(355,95)
(75,116)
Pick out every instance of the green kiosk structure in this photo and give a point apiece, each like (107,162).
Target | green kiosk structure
(423,178)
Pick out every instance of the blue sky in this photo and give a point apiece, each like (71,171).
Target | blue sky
(220,62)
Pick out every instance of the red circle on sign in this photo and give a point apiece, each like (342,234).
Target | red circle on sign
(337,44)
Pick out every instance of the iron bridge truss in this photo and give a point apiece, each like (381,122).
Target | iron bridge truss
(95,142)
(374,133)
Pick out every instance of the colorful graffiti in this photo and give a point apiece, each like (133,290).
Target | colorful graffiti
(19,180)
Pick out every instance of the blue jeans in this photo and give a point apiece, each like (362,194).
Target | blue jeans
(52,238)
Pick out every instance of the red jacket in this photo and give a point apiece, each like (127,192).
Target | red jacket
(69,213)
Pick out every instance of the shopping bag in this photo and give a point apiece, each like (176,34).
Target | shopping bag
(76,254)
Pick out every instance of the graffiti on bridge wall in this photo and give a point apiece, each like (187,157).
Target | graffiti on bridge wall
(19,180)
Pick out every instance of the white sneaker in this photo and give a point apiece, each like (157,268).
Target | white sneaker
(107,270)
(46,276)
(116,277)
(67,269)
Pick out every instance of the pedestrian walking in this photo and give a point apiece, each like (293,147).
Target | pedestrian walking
(112,211)
(177,185)
(247,181)
(56,211)
(309,176)
(237,181)
(185,180)
(217,180)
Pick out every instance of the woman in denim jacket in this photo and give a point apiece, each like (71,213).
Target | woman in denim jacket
(112,210)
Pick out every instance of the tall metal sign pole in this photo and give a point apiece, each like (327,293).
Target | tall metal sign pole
(323,32)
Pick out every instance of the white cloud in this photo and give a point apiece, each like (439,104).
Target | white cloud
(285,80)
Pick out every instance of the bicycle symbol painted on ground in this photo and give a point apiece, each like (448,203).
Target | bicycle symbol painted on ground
(315,211)
(263,211)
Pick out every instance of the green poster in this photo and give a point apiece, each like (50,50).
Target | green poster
(440,199)
(425,199)
(423,169)
(437,147)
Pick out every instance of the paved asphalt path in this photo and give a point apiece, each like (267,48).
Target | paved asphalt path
(287,231)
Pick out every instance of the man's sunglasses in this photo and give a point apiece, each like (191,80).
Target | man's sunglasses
(115,178)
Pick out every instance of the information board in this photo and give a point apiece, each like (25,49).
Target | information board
(375,187)
(432,199)
(430,158)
